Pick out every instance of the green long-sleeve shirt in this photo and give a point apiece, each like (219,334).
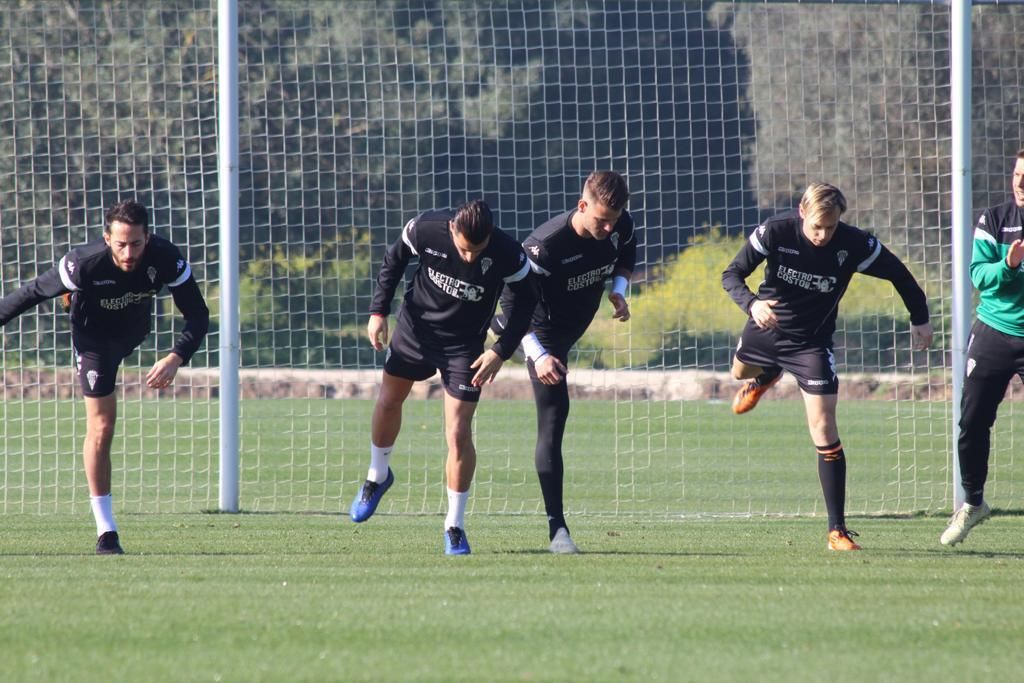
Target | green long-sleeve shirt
(1000,288)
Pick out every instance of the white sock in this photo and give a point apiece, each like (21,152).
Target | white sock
(456,509)
(379,459)
(103,512)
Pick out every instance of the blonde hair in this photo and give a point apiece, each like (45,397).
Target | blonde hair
(820,198)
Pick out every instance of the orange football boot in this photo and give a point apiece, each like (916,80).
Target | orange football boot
(839,539)
(751,392)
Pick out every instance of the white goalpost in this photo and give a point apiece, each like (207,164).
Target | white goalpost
(351,118)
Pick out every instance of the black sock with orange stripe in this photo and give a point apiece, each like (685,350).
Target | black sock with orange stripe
(832,475)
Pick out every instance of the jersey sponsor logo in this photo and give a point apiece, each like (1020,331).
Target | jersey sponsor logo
(788,250)
(435,252)
(1011,228)
(104,282)
(455,287)
(485,264)
(151,272)
(809,281)
(128,299)
(589,278)
(841,256)
(577,257)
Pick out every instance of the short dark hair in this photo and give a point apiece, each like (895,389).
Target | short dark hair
(128,211)
(608,188)
(474,221)
(1020,153)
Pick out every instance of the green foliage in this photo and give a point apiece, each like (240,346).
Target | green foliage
(305,306)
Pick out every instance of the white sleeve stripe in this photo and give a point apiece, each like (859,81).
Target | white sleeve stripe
(866,263)
(405,236)
(519,274)
(980,234)
(64,277)
(756,244)
(537,268)
(181,278)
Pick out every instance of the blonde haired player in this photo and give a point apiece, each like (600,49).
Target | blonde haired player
(810,256)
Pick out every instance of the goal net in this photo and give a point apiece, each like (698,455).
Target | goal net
(356,116)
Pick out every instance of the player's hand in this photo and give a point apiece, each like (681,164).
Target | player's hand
(763,315)
(549,370)
(1015,254)
(377,330)
(621,309)
(163,372)
(921,336)
(487,366)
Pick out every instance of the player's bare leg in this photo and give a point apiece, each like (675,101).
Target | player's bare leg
(821,423)
(459,469)
(384,428)
(100,420)
(759,381)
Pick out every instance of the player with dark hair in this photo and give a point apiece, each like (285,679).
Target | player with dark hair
(464,262)
(995,350)
(109,286)
(811,257)
(573,255)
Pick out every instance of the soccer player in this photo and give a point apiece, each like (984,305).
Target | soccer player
(573,255)
(995,350)
(811,257)
(464,262)
(111,283)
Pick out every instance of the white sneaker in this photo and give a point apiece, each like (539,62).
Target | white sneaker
(562,543)
(963,520)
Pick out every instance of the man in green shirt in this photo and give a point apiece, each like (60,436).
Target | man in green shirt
(995,350)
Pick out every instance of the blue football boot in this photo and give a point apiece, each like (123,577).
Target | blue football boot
(455,542)
(370,493)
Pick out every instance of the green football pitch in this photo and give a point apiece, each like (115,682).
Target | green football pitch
(286,597)
(662,591)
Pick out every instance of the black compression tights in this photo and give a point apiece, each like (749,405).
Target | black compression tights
(552,414)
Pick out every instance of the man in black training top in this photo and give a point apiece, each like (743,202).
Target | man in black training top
(811,257)
(111,284)
(464,262)
(573,255)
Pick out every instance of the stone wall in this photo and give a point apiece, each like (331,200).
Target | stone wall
(512,383)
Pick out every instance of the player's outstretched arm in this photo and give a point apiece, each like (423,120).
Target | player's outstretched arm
(31,294)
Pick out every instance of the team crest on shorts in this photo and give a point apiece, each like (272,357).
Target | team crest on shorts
(91,378)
